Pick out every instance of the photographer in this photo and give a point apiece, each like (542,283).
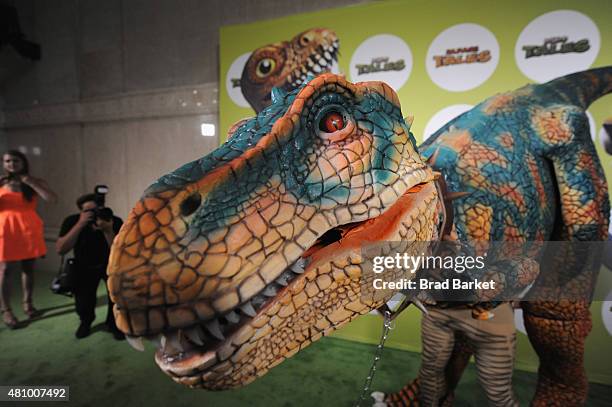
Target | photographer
(90,233)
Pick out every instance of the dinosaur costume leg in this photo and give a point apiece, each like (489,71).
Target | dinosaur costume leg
(558,329)
(559,344)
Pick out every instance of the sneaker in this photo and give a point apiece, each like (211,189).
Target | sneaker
(83,331)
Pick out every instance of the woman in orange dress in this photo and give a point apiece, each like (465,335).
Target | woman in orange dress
(21,229)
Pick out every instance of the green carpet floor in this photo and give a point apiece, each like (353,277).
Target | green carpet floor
(103,372)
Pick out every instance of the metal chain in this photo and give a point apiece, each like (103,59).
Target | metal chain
(387,326)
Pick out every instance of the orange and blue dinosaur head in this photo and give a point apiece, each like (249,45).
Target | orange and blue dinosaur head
(236,261)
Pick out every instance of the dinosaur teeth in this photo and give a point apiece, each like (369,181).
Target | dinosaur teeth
(327,55)
(269,291)
(195,335)
(173,341)
(215,329)
(298,266)
(135,342)
(316,69)
(284,278)
(248,309)
(232,317)
(156,340)
(322,62)
(258,301)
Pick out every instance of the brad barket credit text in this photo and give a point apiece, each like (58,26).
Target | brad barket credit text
(425,284)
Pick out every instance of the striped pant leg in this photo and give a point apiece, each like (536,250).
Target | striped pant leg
(437,340)
(494,351)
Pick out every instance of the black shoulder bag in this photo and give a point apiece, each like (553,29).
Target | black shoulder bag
(63,283)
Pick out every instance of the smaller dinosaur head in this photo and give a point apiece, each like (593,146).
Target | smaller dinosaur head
(287,65)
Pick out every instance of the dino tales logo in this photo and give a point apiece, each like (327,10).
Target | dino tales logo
(556,45)
(470,49)
(382,57)
(465,55)
(380,64)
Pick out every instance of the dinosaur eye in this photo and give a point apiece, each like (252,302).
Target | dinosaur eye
(331,122)
(305,39)
(265,67)
(190,204)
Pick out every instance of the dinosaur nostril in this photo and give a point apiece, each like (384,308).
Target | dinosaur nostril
(190,204)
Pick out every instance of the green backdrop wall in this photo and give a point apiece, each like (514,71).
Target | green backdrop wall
(502,28)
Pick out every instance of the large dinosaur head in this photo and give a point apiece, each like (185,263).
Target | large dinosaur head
(236,261)
(287,65)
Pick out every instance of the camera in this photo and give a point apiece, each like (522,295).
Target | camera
(104,213)
(101,212)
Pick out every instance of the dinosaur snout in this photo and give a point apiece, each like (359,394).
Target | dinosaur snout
(150,277)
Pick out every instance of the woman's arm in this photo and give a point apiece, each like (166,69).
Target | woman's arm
(40,187)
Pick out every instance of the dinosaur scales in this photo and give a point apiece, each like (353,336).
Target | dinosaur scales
(561,196)
(240,259)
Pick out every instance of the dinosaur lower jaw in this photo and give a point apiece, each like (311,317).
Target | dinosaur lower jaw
(237,349)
